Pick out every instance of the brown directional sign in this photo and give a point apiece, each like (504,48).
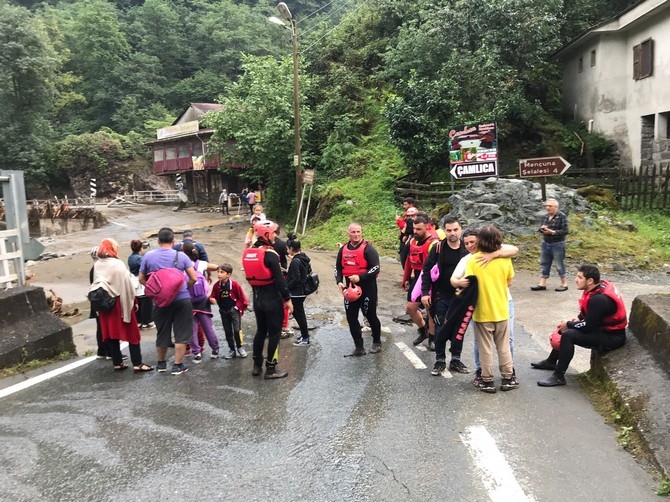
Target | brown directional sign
(543,166)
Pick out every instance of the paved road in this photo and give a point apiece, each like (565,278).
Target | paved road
(337,429)
(372,428)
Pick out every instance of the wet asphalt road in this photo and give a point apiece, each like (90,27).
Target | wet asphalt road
(337,429)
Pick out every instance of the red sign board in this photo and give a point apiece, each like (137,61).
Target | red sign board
(543,166)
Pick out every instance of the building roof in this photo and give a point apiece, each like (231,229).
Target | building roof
(195,111)
(624,21)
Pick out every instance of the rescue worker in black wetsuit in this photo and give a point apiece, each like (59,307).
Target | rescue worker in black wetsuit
(358,263)
(601,324)
(270,293)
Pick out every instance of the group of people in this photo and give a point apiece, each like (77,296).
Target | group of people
(185,323)
(463,277)
(453,278)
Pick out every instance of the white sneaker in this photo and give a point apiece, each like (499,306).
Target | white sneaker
(241,352)
(197,358)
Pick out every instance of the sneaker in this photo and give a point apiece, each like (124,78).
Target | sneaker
(487,387)
(257,370)
(423,334)
(477,381)
(457,366)
(431,344)
(358,351)
(376,348)
(197,358)
(161,366)
(230,354)
(366,329)
(438,368)
(214,354)
(509,384)
(188,353)
(303,342)
(285,333)
(178,369)
(241,352)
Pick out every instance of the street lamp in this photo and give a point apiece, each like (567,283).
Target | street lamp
(297,154)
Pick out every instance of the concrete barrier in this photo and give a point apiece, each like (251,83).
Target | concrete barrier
(649,321)
(28,330)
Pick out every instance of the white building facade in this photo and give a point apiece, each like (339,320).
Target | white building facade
(616,80)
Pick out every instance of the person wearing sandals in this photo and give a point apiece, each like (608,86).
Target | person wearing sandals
(144,302)
(103,350)
(119,323)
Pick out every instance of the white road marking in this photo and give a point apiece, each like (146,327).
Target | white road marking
(119,224)
(409,354)
(48,375)
(497,475)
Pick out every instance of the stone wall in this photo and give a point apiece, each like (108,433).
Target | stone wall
(28,330)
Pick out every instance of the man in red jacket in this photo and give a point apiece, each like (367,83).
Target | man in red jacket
(601,324)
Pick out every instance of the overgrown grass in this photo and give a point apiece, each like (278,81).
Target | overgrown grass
(34,364)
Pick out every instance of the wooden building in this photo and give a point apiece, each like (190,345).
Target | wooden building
(182,149)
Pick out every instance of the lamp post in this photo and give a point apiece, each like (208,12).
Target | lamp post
(297,153)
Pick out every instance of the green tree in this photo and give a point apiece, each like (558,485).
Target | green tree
(28,67)
(255,126)
(97,45)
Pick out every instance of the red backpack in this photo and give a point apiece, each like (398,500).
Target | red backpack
(164,285)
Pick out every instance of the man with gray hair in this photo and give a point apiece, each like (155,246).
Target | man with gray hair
(187,236)
(554,228)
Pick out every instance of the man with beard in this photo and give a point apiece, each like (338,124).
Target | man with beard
(437,296)
(419,248)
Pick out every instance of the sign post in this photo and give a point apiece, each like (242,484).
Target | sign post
(473,151)
(541,168)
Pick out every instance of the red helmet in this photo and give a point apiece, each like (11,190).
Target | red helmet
(352,293)
(555,340)
(264,228)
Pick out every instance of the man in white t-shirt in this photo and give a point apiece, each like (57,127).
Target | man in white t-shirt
(459,281)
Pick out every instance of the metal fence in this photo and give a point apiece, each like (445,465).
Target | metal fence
(11,259)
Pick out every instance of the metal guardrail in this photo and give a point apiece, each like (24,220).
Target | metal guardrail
(147,196)
(11,260)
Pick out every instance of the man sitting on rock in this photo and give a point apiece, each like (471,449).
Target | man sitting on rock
(601,325)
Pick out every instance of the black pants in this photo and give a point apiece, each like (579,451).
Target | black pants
(230,318)
(117,357)
(269,319)
(599,340)
(368,304)
(103,348)
(145,310)
(299,315)
(224,208)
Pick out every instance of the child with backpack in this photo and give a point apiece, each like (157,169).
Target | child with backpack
(232,301)
(202,310)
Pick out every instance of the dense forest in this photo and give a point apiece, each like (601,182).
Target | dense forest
(84,83)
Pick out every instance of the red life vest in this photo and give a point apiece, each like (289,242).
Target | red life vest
(255,270)
(614,322)
(419,252)
(353,260)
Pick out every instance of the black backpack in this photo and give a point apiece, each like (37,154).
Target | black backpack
(101,300)
(311,281)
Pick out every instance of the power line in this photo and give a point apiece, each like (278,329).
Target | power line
(329,15)
(335,27)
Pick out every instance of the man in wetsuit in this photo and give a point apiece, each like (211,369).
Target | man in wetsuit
(601,325)
(358,263)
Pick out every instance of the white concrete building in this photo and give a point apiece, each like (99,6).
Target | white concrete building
(616,80)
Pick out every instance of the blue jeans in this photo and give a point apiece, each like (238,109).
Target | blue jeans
(552,252)
(511,336)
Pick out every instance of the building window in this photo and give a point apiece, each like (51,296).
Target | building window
(184,151)
(593,57)
(580,66)
(158,155)
(171,153)
(643,59)
(197,149)
(664,125)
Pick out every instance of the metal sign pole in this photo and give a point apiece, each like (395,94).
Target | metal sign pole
(309,199)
